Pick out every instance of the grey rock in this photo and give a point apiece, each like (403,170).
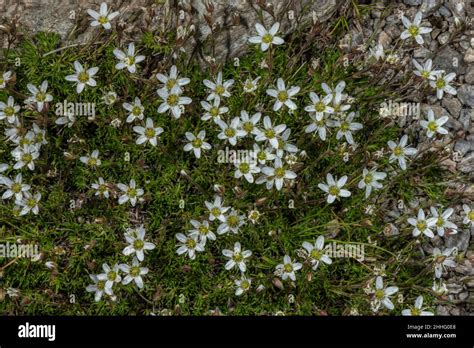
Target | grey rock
(467,119)
(458,7)
(443,38)
(463,295)
(452,104)
(467,164)
(443,11)
(234,20)
(393,30)
(469,77)
(463,146)
(449,60)
(413,2)
(466,95)
(429,6)
(421,52)
(469,55)
(454,124)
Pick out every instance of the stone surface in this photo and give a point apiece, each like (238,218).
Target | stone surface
(449,60)
(233,21)
(466,95)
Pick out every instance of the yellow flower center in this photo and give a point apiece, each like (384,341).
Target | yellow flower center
(170,83)
(172,99)
(135,271)
(233,221)
(320,106)
(9,111)
(220,89)
(432,126)
(16,187)
(83,77)
(334,191)
(279,172)
(244,167)
(40,96)
(421,225)
(150,133)
(190,243)
(136,111)
(288,268)
(397,151)
(229,132)
(282,96)
(413,30)
(197,142)
(267,38)
(440,83)
(368,178)
(138,244)
(102,20)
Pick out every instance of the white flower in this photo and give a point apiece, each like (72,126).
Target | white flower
(334,187)
(137,244)
(218,89)
(319,106)
(9,110)
(249,124)
(136,110)
(173,101)
(14,188)
(213,111)
(442,222)
(377,52)
(346,127)
(443,259)
(189,244)
(82,77)
(216,209)
(134,272)
(288,268)
(230,132)
(269,132)
(237,257)
(110,98)
(441,83)
(172,80)
(284,145)
(39,135)
(469,218)
(336,91)
(3,167)
(99,288)
(439,288)
(29,203)
(149,133)
(251,85)
(128,60)
(382,295)
(262,155)
(253,216)
(92,160)
(243,285)
(425,71)
(277,174)
(400,151)
(196,143)
(4,78)
(265,37)
(283,96)
(433,125)
(39,96)
(316,253)
(370,181)
(417,309)
(231,223)
(130,193)
(103,17)
(25,156)
(413,29)
(318,125)
(202,230)
(68,119)
(246,169)
(101,187)
(422,225)
(111,275)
